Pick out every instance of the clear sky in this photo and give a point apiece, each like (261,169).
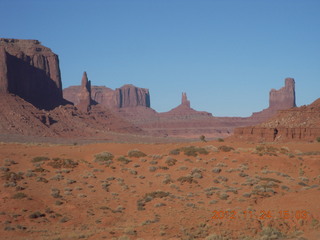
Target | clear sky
(226,54)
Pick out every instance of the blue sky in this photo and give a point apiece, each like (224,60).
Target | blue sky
(226,54)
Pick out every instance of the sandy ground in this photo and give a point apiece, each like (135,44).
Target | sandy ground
(252,191)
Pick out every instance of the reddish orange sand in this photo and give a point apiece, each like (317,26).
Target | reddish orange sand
(269,192)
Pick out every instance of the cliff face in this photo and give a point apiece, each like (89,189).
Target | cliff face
(31,71)
(285,97)
(131,96)
(295,124)
(128,96)
(281,99)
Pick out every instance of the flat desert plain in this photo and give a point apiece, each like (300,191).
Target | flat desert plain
(195,190)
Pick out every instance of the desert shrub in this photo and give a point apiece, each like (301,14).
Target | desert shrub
(171,161)
(216,170)
(37,215)
(64,219)
(40,159)
(63,163)
(190,151)
(103,157)
(41,179)
(193,151)
(152,168)
(150,196)
(157,194)
(187,179)
(220,140)
(156,156)
(123,159)
(309,153)
(242,174)
(269,233)
(175,152)
(203,138)
(12,176)
(40,169)
(223,196)
(266,150)
(268,179)
(136,153)
(154,162)
(318,139)
(225,148)
(19,195)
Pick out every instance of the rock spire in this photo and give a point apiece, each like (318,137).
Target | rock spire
(85,94)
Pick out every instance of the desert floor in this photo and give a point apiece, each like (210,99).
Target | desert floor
(199,190)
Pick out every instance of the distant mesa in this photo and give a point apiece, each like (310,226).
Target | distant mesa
(33,104)
(30,71)
(127,96)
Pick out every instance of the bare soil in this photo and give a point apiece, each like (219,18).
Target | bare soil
(194,190)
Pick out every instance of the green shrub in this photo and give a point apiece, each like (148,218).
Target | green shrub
(136,153)
(220,140)
(318,139)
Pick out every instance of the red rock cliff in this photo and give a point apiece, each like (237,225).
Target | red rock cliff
(131,96)
(85,94)
(285,97)
(281,99)
(128,96)
(295,124)
(31,71)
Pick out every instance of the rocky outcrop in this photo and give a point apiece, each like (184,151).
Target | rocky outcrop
(285,97)
(184,100)
(295,124)
(131,96)
(19,117)
(185,111)
(31,71)
(85,94)
(281,99)
(128,96)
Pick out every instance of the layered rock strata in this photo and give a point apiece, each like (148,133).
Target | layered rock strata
(127,96)
(295,124)
(85,94)
(30,71)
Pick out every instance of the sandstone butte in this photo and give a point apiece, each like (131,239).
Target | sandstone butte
(30,71)
(31,88)
(30,84)
(181,121)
